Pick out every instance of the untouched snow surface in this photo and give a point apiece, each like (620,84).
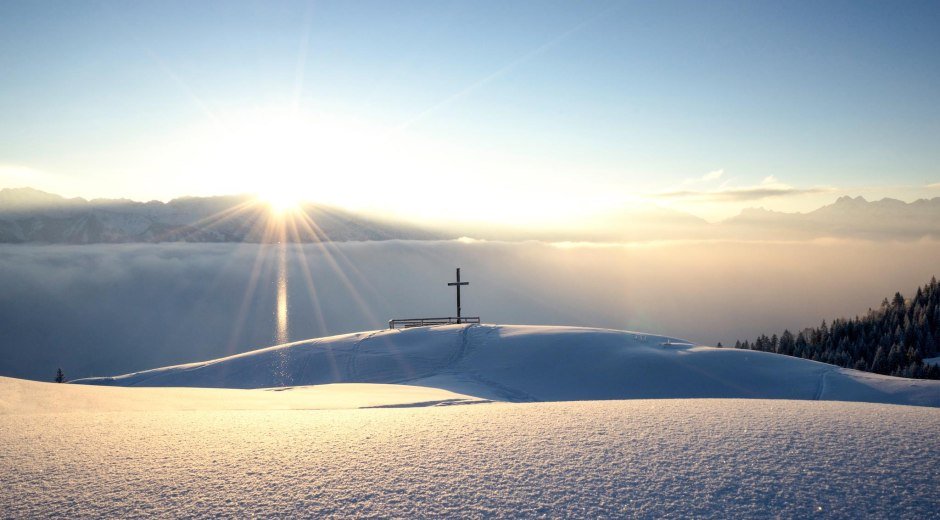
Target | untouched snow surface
(528,363)
(676,458)
(19,396)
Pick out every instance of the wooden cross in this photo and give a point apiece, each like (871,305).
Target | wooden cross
(457,284)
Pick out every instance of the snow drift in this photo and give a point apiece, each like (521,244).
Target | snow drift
(529,363)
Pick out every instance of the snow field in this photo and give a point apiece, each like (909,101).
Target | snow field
(678,458)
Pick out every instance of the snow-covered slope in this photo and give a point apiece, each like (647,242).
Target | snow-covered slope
(83,451)
(676,458)
(529,363)
(23,397)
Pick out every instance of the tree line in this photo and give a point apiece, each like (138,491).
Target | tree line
(893,339)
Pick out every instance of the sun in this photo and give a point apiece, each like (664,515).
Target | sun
(280,199)
(282,154)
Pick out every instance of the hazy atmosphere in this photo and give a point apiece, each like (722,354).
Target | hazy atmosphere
(107,309)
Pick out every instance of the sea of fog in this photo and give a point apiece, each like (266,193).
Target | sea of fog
(110,309)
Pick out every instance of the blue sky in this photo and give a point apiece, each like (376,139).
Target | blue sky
(531,109)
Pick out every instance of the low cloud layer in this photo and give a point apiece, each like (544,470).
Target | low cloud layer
(741,194)
(110,309)
(769,187)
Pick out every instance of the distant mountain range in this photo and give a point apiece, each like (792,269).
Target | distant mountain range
(29,215)
(846,217)
(32,216)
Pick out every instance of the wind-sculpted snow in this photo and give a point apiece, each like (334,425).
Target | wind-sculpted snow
(528,363)
(23,397)
(601,459)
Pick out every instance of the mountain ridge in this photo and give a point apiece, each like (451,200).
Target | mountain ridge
(851,217)
(28,215)
(31,215)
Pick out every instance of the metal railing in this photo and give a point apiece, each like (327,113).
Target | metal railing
(427,322)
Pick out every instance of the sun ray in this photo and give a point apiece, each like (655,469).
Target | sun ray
(250,289)
(300,67)
(265,227)
(329,243)
(313,294)
(334,265)
(206,222)
(505,69)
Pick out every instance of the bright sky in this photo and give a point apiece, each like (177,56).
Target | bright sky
(514,112)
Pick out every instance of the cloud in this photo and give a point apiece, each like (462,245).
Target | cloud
(713,175)
(769,187)
(764,191)
(934,186)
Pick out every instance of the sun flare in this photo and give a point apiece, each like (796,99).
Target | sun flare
(283,156)
(280,200)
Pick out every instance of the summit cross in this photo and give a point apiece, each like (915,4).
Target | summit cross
(457,284)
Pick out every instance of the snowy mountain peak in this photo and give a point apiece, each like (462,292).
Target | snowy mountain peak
(30,198)
(847,200)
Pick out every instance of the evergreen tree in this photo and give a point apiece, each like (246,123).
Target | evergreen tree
(786,343)
(879,364)
(896,337)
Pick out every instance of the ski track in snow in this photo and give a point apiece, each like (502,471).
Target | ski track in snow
(504,392)
(352,373)
(821,391)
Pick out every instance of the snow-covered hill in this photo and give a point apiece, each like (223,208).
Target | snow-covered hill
(72,450)
(528,363)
